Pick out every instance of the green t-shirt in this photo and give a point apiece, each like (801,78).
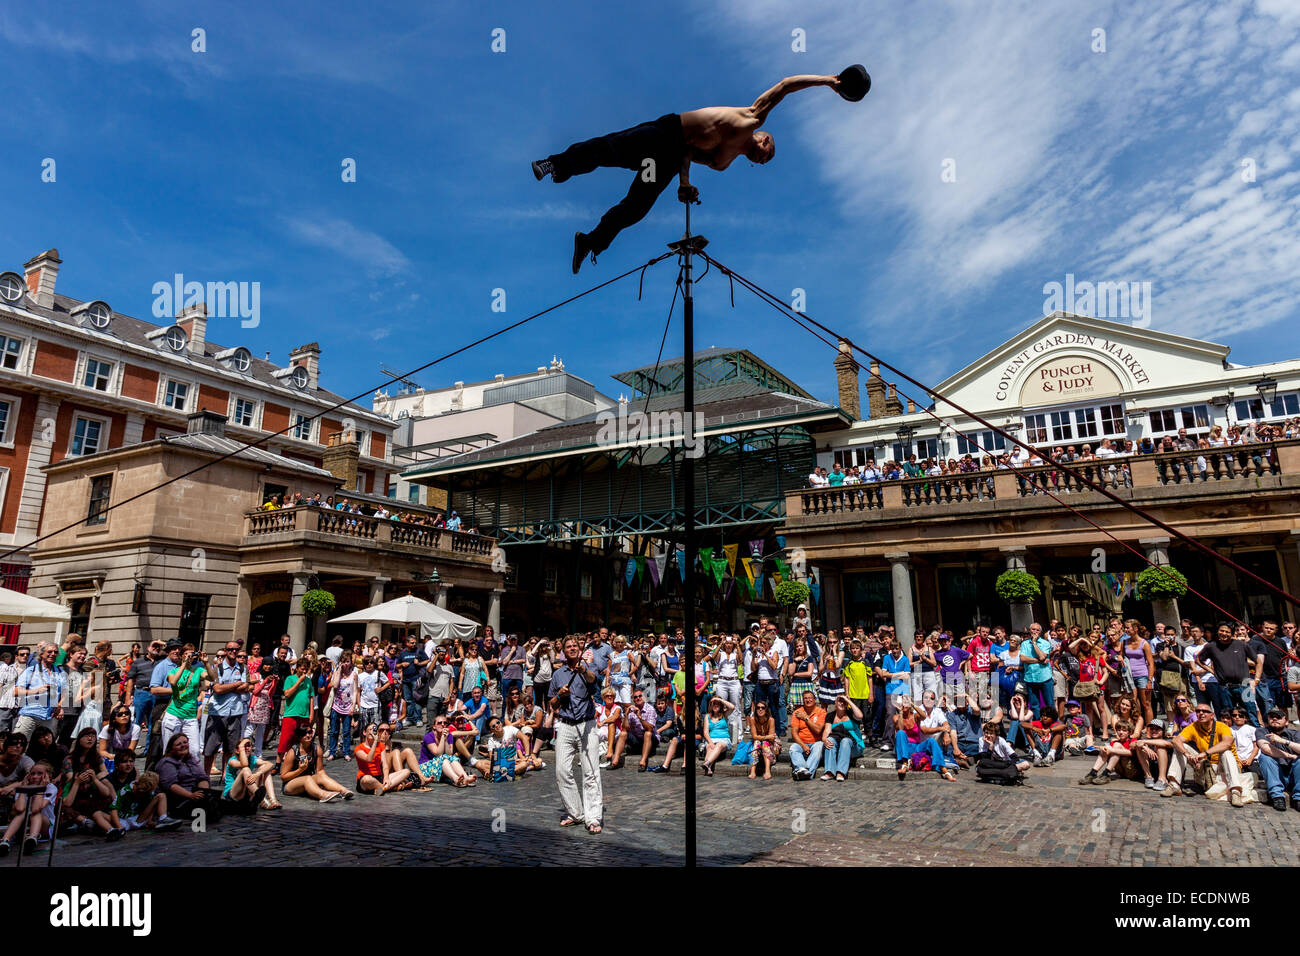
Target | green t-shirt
(185,695)
(857,679)
(299,704)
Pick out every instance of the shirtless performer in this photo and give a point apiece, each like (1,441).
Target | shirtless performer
(714,136)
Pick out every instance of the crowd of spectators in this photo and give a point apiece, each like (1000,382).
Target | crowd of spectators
(451,520)
(1206,459)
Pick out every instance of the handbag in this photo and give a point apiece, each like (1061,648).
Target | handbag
(744,750)
(1086,689)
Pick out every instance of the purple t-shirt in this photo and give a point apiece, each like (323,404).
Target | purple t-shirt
(950,660)
(430,739)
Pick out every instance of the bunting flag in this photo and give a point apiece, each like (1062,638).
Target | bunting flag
(783,570)
(730,550)
(759,578)
(629,572)
(731,586)
(681,563)
(815,584)
(705,558)
(719,568)
(640,567)
(756,548)
(657,567)
(780,541)
(747,565)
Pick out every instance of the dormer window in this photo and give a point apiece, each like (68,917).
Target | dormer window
(99,315)
(176,339)
(299,377)
(242,360)
(12,287)
(96,315)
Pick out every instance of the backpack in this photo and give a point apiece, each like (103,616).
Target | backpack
(990,769)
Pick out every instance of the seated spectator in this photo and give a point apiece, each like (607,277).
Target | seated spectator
(87,795)
(402,758)
(464,734)
(806,726)
(139,805)
(934,722)
(992,744)
(842,739)
(1279,748)
(120,734)
(642,728)
(43,747)
(1077,737)
(668,725)
(14,765)
(717,732)
(1157,746)
(911,739)
(966,722)
(181,778)
(610,728)
(1107,765)
(1199,747)
(302,772)
(1045,735)
(502,744)
(249,781)
(40,823)
(373,773)
(438,756)
(766,743)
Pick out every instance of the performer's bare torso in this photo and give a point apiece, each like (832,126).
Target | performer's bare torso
(718,134)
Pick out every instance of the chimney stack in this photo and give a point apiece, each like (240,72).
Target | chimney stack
(893,404)
(911,406)
(41,273)
(308,357)
(194,321)
(846,377)
(875,393)
(206,423)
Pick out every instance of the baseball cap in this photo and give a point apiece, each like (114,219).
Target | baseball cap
(1074,703)
(1157,723)
(175,643)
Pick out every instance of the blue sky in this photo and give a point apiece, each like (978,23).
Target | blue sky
(1120,165)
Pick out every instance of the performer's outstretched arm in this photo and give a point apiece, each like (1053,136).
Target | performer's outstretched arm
(791,84)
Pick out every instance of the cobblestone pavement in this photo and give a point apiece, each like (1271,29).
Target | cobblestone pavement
(644,826)
(877,820)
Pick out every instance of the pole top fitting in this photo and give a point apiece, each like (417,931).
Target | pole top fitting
(692,244)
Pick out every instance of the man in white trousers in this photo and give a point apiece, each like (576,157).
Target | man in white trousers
(573,690)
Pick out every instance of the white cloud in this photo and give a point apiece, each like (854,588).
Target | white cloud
(1066,159)
(368,251)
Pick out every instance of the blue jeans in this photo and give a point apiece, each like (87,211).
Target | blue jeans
(337,719)
(1040,695)
(1267,694)
(1278,779)
(810,762)
(839,756)
(509,682)
(1240,696)
(414,712)
(1218,699)
(142,702)
(904,748)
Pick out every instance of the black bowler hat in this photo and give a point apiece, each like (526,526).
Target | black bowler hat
(855,81)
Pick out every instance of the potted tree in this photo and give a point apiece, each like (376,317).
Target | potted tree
(1019,589)
(790,594)
(1163,585)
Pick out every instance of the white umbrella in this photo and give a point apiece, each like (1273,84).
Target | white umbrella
(19,608)
(409,610)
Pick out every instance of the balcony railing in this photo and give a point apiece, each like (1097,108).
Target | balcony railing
(380,531)
(1230,467)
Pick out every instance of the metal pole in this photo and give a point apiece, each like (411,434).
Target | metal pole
(686,248)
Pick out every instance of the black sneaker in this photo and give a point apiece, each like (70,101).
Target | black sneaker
(659,769)
(5,847)
(542,168)
(1279,804)
(29,846)
(581,249)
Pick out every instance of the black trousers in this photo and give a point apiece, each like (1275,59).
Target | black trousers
(660,140)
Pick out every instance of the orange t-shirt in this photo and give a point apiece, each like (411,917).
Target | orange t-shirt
(374,766)
(808,727)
